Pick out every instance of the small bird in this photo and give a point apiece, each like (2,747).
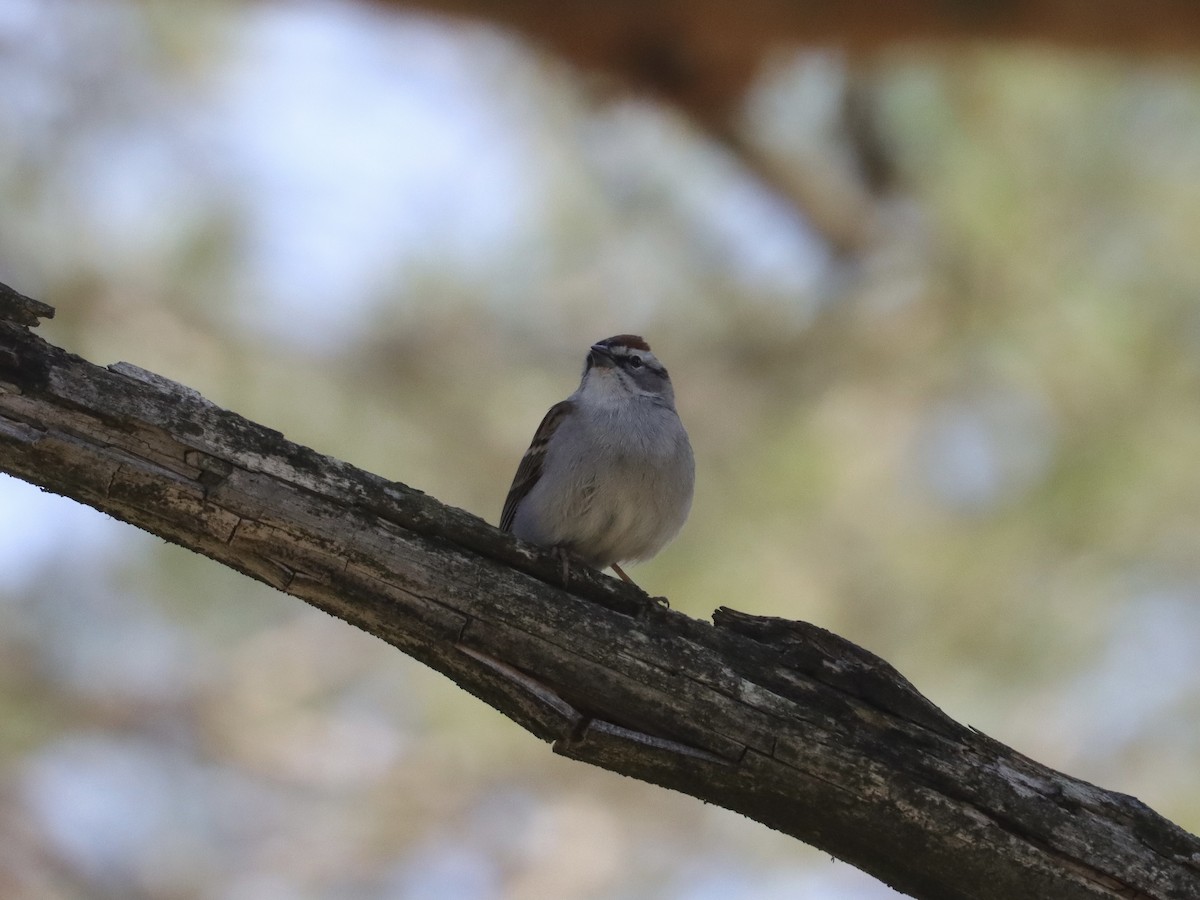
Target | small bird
(609,475)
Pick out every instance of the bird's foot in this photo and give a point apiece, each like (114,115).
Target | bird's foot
(660,601)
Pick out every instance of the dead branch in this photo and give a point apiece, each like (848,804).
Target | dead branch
(781,721)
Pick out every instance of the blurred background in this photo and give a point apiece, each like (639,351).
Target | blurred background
(933,315)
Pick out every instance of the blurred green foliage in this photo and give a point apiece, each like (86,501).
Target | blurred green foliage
(971,448)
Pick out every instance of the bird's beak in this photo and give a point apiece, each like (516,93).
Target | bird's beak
(600,357)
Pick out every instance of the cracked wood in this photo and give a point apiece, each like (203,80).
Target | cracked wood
(781,721)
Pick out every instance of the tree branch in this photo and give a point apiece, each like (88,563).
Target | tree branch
(702,55)
(781,721)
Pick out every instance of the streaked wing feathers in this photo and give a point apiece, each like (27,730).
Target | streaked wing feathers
(530,469)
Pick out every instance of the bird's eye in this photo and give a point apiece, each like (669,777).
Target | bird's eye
(635,362)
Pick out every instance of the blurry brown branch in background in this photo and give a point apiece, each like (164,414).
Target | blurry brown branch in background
(680,54)
(703,57)
(781,721)
(841,209)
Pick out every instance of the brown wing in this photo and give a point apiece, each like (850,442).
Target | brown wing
(530,469)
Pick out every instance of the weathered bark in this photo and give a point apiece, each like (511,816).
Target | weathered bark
(782,721)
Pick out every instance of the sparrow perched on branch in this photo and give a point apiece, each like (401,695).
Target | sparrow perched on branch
(609,475)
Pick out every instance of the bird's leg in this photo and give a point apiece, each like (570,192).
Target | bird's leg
(661,601)
(566,556)
(624,577)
